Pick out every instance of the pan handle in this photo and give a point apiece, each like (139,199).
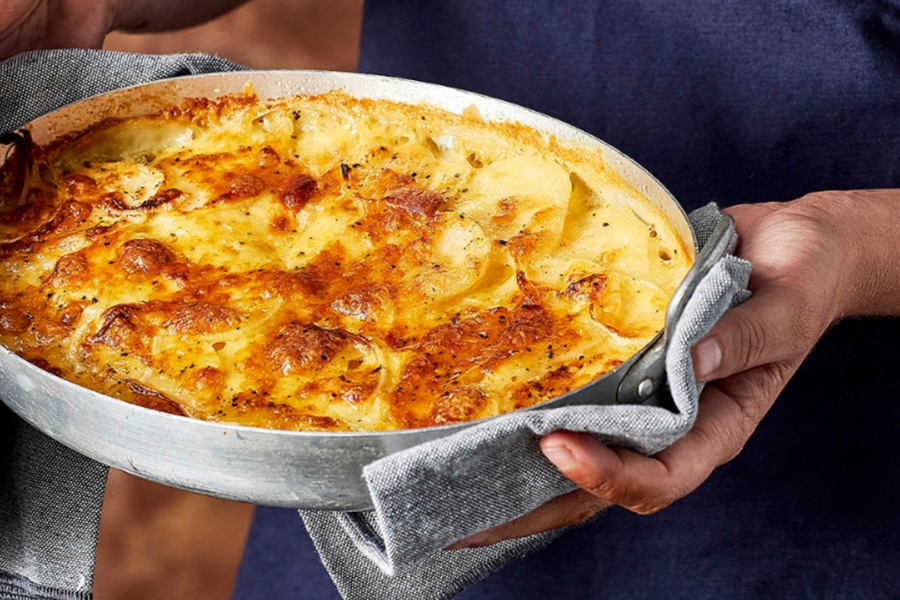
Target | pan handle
(648,373)
(718,244)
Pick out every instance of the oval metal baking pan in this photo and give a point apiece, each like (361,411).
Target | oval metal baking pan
(290,468)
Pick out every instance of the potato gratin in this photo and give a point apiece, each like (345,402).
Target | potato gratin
(327,263)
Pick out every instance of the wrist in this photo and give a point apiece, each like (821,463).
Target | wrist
(863,225)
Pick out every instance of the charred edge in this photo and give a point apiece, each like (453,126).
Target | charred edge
(415,200)
(150,398)
(297,192)
(116,201)
(123,314)
(61,222)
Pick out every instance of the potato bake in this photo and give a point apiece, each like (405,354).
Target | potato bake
(327,263)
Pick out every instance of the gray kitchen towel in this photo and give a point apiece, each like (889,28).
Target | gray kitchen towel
(434,494)
(50,501)
(50,496)
(35,83)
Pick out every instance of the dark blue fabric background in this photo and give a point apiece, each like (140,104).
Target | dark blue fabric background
(724,100)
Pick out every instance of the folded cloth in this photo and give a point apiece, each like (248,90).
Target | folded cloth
(434,494)
(50,501)
(425,498)
(35,83)
(50,497)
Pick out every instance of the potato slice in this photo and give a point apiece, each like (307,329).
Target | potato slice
(510,196)
(139,140)
(456,260)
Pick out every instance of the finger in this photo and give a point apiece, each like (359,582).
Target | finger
(569,509)
(723,426)
(775,325)
(647,484)
(639,483)
(620,476)
(636,482)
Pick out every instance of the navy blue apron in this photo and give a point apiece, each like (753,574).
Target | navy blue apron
(728,101)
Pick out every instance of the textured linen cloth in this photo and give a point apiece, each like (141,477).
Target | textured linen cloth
(50,496)
(425,498)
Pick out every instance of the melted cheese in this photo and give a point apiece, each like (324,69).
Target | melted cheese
(328,263)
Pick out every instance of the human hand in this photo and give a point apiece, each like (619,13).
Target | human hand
(32,24)
(806,258)
(29,24)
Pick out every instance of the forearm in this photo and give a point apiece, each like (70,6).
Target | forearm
(867,223)
(137,16)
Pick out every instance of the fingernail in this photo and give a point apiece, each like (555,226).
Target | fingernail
(707,358)
(473,541)
(560,456)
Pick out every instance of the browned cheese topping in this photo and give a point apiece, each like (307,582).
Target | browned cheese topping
(327,263)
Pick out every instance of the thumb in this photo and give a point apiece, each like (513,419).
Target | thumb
(774,325)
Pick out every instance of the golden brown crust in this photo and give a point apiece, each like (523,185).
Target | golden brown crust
(145,257)
(327,263)
(200,317)
(304,347)
(66,218)
(297,191)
